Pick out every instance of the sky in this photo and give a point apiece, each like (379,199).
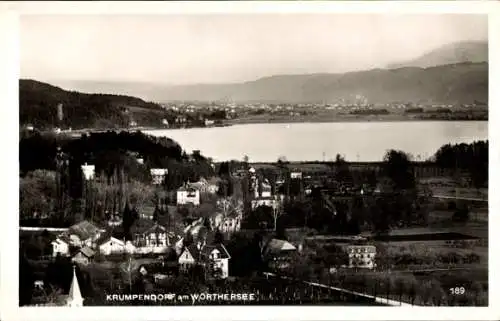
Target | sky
(191,49)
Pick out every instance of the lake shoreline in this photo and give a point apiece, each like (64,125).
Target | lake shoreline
(342,120)
(240,121)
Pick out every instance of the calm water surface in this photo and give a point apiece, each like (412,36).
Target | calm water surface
(366,141)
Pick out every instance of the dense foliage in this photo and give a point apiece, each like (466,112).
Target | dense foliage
(38,106)
(471,158)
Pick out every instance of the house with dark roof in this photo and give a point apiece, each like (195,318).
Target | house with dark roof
(277,253)
(189,257)
(213,258)
(83,234)
(151,237)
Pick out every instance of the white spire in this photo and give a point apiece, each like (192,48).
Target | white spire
(75,298)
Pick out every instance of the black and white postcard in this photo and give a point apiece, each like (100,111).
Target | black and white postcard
(240,158)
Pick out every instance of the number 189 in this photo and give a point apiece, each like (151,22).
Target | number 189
(457,290)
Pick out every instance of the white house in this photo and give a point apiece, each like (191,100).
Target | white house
(158,175)
(188,195)
(189,257)
(230,225)
(262,189)
(215,258)
(88,171)
(111,245)
(361,256)
(130,248)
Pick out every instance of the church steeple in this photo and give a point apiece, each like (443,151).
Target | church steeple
(75,298)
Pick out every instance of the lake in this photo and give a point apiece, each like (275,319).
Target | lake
(363,141)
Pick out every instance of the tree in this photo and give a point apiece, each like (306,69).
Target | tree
(380,219)
(342,173)
(38,193)
(156,214)
(397,167)
(128,221)
(277,213)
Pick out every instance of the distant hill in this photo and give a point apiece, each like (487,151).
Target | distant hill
(38,103)
(447,84)
(471,51)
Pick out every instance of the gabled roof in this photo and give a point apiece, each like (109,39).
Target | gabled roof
(194,251)
(143,225)
(84,230)
(87,251)
(207,249)
(62,238)
(108,238)
(277,246)
(188,188)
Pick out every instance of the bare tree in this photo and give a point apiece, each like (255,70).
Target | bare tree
(277,212)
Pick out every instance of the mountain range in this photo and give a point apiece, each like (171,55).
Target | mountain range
(453,74)
(470,51)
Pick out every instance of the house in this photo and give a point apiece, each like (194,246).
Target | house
(84,256)
(188,195)
(150,237)
(129,247)
(278,253)
(109,245)
(83,234)
(262,188)
(158,175)
(361,256)
(206,186)
(60,246)
(115,220)
(230,225)
(189,257)
(88,171)
(215,259)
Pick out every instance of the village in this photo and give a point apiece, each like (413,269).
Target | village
(159,245)
(138,225)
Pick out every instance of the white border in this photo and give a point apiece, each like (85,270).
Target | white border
(9,74)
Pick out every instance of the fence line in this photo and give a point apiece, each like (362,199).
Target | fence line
(376,299)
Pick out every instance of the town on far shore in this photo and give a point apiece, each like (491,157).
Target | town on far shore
(111,213)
